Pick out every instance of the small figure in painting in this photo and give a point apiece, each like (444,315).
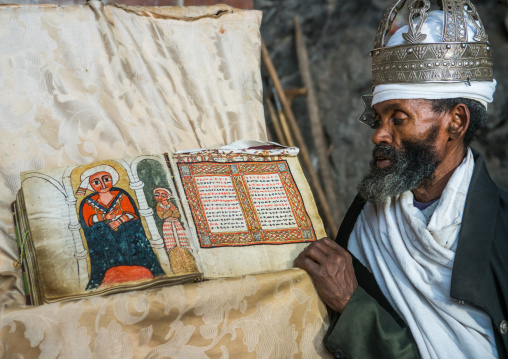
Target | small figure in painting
(175,237)
(118,247)
(172,230)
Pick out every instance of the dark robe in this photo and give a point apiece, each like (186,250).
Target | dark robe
(125,246)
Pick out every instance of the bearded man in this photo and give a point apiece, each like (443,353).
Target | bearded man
(420,264)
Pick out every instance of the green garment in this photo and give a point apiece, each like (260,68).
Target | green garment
(366,330)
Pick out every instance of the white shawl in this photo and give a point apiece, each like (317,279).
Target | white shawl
(412,263)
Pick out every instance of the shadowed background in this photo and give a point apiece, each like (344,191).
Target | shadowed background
(339,35)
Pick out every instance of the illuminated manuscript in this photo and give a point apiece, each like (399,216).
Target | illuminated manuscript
(250,213)
(245,203)
(133,223)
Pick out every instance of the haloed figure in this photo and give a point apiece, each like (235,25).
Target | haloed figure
(175,237)
(118,247)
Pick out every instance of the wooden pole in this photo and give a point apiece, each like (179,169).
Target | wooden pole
(282,118)
(275,121)
(320,144)
(285,128)
(291,94)
(314,180)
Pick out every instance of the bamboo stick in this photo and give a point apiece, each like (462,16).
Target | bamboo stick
(314,181)
(285,128)
(282,118)
(316,126)
(291,94)
(275,121)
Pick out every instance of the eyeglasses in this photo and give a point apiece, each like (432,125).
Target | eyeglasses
(368,117)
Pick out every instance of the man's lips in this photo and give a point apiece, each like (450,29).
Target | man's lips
(383,162)
(384,156)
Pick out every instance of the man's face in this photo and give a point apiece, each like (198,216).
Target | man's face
(409,143)
(161,196)
(101,182)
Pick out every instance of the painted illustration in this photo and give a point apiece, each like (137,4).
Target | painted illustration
(117,244)
(175,237)
(172,229)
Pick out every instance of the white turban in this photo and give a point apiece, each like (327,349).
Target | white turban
(481,91)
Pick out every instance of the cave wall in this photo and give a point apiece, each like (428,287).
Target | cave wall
(339,35)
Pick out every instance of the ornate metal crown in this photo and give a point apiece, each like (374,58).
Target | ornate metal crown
(455,59)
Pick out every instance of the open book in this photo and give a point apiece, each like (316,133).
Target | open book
(150,220)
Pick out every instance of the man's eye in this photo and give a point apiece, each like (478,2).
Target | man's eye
(96,183)
(106,180)
(376,124)
(397,121)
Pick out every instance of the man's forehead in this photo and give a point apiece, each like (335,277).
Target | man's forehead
(387,106)
(101,175)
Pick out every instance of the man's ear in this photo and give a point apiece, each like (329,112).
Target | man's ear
(459,121)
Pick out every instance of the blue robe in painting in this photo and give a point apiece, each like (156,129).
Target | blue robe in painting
(125,246)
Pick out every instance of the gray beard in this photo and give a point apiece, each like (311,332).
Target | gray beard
(412,167)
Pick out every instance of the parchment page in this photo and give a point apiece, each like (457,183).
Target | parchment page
(107,226)
(250,213)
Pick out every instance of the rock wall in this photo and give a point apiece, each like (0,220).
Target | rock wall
(339,35)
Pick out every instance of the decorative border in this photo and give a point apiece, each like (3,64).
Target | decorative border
(438,62)
(255,234)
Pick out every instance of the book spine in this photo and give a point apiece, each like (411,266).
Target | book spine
(21,243)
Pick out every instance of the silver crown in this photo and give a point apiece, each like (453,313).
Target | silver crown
(455,59)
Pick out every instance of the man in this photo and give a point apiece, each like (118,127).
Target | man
(425,273)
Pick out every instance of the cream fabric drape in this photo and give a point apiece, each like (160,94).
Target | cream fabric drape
(263,316)
(86,83)
(92,82)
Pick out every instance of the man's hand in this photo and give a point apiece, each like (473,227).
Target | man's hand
(115,224)
(331,268)
(113,214)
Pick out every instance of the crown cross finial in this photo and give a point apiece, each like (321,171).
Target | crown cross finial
(417,9)
(454,25)
(472,14)
(386,23)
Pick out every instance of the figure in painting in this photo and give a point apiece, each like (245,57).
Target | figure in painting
(118,247)
(175,237)
(172,230)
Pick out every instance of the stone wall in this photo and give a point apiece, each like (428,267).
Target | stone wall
(339,36)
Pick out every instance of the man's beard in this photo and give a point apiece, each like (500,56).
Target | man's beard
(411,167)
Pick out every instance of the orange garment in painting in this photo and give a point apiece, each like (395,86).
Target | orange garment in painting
(123,274)
(122,211)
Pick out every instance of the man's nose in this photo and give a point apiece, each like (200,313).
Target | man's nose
(103,184)
(382,134)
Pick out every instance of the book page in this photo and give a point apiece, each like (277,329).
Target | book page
(108,226)
(250,213)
